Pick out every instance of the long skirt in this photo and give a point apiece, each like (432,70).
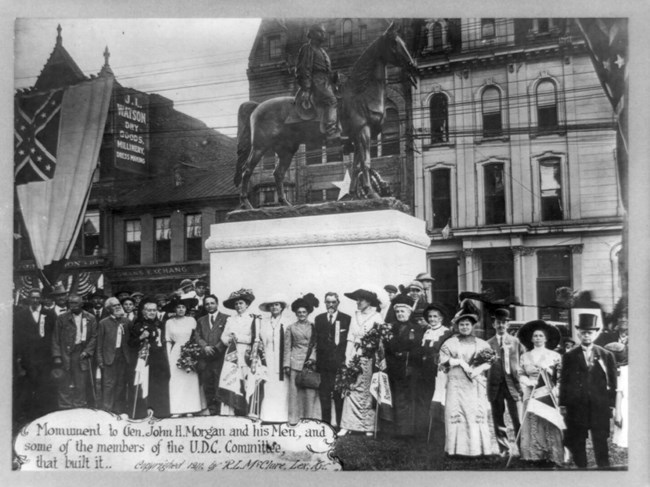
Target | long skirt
(540,440)
(358,408)
(466,415)
(275,404)
(303,403)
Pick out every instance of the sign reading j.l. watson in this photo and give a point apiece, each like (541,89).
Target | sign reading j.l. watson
(131,129)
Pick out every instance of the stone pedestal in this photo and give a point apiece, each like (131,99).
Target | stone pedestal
(318,253)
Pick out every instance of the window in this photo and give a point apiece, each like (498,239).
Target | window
(319,195)
(497,266)
(439,118)
(275,47)
(445,287)
(193,234)
(268,163)
(491,111)
(487,28)
(334,153)
(546,95)
(553,272)
(163,239)
(363,33)
(441,196)
(313,153)
(133,237)
(315,195)
(374,145)
(437,37)
(550,177)
(267,196)
(390,133)
(495,194)
(89,239)
(347,32)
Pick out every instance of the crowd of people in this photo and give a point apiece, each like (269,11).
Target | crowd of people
(178,355)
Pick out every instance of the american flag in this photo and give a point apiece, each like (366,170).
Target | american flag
(36,132)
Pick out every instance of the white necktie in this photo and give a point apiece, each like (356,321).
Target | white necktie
(120,332)
(506,360)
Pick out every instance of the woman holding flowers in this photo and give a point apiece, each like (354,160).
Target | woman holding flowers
(358,409)
(466,403)
(184,391)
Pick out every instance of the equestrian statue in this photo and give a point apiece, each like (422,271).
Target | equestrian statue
(281,124)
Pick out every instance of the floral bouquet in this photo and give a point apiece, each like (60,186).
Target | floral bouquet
(485,356)
(371,340)
(191,352)
(347,375)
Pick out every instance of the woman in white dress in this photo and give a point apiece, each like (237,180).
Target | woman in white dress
(275,405)
(184,391)
(621,418)
(300,350)
(541,441)
(466,404)
(241,329)
(358,410)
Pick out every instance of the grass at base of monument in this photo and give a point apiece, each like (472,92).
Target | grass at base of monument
(358,452)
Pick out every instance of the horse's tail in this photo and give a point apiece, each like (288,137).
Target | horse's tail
(244,139)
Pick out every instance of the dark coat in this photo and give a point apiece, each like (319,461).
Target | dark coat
(206,336)
(65,332)
(404,350)
(431,354)
(588,394)
(497,371)
(331,356)
(33,348)
(107,337)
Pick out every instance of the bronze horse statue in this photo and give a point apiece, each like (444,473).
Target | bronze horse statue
(276,124)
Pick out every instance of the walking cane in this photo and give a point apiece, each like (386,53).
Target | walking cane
(430,422)
(523,420)
(92,381)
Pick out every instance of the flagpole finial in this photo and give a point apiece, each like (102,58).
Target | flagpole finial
(106,68)
(59,39)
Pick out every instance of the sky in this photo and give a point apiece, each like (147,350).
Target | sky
(200,64)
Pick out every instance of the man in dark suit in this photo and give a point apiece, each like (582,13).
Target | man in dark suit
(588,394)
(503,379)
(331,339)
(33,329)
(73,345)
(96,306)
(209,330)
(113,357)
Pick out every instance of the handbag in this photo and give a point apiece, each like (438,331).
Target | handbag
(308,378)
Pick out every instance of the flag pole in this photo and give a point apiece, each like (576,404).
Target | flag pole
(376,417)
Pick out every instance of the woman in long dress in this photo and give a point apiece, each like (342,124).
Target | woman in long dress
(240,328)
(358,409)
(466,403)
(540,440)
(184,389)
(300,350)
(621,418)
(275,404)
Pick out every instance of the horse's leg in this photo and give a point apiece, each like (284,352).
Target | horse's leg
(253,158)
(285,156)
(364,140)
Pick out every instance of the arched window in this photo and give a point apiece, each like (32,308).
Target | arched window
(347,32)
(439,118)
(437,37)
(390,133)
(491,112)
(546,99)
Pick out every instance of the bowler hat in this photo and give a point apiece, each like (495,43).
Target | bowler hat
(502,314)
(587,321)
(365,295)
(245,295)
(525,334)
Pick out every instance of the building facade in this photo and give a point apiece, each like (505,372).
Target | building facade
(515,163)
(162,179)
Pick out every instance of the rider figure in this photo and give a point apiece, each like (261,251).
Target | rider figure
(313,75)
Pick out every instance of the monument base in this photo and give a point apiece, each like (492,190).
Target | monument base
(330,252)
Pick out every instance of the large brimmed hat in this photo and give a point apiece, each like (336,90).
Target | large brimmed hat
(553,335)
(58,290)
(620,352)
(189,303)
(365,295)
(308,301)
(245,295)
(467,309)
(266,305)
(587,321)
(437,306)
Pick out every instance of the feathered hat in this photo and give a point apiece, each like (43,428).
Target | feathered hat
(308,301)
(467,309)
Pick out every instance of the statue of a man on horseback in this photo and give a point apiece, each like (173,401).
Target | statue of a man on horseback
(282,124)
(314,76)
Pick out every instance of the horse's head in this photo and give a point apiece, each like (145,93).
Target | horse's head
(397,54)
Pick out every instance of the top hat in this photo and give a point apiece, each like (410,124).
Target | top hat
(365,295)
(525,334)
(245,295)
(266,305)
(308,301)
(424,276)
(587,321)
(389,288)
(502,314)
